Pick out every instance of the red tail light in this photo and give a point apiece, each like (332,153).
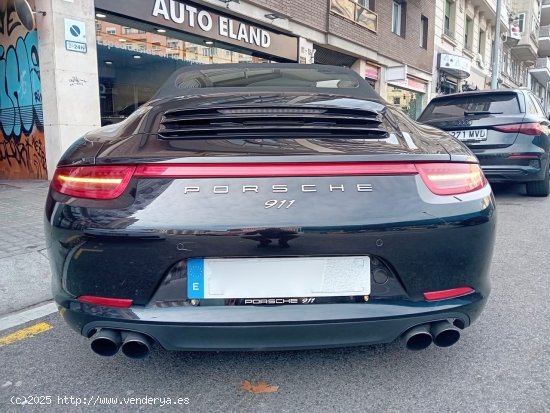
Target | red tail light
(526,128)
(445,294)
(92,182)
(105,301)
(451,178)
(109,182)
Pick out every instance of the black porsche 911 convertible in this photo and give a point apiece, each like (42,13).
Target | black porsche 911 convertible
(270,206)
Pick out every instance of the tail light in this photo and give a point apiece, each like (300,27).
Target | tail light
(525,128)
(451,178)
(109,182)
(92,182)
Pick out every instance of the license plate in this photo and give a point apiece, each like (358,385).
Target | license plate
(470,135)
(278,277)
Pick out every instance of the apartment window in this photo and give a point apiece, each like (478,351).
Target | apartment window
(521,22)
(111,30)
(398,18)
(481,44)
(449,22)
(468,33)
(367,4)
(424,32)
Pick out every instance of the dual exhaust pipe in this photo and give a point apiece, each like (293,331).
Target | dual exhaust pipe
(107,342)
(441,333)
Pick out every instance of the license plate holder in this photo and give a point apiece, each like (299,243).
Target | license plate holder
(215,278)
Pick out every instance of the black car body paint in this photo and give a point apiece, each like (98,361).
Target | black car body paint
(138,245)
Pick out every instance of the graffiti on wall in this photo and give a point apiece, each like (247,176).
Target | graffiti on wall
(22,150)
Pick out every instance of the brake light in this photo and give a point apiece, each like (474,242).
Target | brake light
(106,301)
(92,182)
(533,128)
(451,178)
(446,294)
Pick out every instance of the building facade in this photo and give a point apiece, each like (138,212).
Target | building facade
(90,63)
(540,73)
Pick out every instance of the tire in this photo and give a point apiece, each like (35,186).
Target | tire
(540,188)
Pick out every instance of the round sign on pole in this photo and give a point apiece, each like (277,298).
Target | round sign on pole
(25,14)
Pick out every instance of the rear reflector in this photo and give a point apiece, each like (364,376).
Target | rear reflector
(526,128)
(92,182)
(523,157)
(446,294)
(452,178)
(105,301)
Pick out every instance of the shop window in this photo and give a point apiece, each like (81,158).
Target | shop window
(449,19)
(424,32)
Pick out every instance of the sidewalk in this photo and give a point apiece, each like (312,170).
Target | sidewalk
(24,267)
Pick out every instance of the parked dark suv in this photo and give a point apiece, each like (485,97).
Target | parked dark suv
(506,129)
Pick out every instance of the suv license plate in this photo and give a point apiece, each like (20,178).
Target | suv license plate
(475,135)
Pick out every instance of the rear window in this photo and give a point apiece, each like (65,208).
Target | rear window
(261,77)
(460,106)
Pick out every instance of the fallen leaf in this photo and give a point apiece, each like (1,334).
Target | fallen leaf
(260,387)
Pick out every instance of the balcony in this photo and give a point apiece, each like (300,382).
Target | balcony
(541,71)
(353,11)
(544,41)
(527,48)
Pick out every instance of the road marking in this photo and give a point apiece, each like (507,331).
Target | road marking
(24,333)
(25,316)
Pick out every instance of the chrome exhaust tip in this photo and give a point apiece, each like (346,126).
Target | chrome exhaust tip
(137,345)
(418,338)
(106,342)
(444,334)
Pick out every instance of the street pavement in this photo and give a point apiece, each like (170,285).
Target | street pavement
(24,268)
(501,364)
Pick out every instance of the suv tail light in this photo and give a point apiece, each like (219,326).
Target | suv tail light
(526,128)
(451,178)
(92,182)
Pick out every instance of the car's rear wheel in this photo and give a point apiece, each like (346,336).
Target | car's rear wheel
(540,188)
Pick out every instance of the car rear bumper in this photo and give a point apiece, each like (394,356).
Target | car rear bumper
(512,173)
(274,327)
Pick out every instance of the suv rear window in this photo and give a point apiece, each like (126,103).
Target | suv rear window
(456,106)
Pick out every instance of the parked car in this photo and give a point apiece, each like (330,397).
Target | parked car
(506,129)
(271,206)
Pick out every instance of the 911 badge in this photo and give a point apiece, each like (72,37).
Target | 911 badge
(279,301)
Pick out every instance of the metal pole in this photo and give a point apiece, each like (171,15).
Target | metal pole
(496,53)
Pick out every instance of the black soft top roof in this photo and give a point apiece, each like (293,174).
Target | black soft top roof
(266,77)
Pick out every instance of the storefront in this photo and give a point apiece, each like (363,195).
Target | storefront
(409,94)
(140,43)
(372,74)
(452,69)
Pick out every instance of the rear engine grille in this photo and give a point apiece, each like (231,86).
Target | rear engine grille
(271,122)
